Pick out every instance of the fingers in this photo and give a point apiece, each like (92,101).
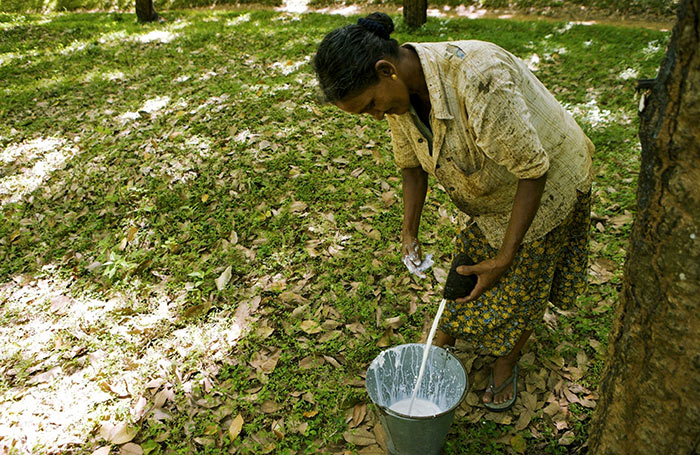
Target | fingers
(411,249)
(413,257)
(475,294)
(466,270)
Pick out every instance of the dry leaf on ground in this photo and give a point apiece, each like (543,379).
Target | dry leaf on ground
(139,408)
(45,376)
(359,437)
(358,414)
(297,206)
(567,438)
(380,435)
(269,406)
(223,279)
(524,420)
(310,327)
(310,362)
(117,434)
(394,323)
(266,362)
(310,414)
(236,426)
(518,443)
(130,449)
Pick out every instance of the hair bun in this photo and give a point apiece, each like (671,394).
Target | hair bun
(378,23)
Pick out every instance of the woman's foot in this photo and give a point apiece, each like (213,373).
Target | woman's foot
(502,371)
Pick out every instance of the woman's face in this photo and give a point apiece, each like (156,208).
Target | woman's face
(388,96)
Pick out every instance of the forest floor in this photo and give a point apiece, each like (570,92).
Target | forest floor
(197,257)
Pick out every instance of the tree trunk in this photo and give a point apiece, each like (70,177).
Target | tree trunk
(650,390)
(145,12)
(415,12)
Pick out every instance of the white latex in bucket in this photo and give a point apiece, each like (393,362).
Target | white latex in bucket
(391,378)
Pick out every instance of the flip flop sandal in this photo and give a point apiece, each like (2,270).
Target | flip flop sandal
(496,390)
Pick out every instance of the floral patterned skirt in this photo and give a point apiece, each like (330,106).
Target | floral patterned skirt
(553,268)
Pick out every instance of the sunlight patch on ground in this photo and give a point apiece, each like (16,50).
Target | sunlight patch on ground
(97,75)
(629,73)
(114,76)
(217,103)
(23,21)
(471,11)
(201,145)
(303,41)
(121,36)
(53,408)
(214,339)
(434,12)
(38,159)
(243,18)
(590,113)
(152,106)
(533,62)
(8,57)
(75,46)
(71,361)
(177,164)
(160,36)
(111,37)
(51,416)
(294,6)
(652,48)
(568,26)
(346,11)
(208,75)
(179,24)
(287,18)
(251,91)
(290,66)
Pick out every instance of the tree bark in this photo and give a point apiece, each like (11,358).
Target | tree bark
(145,12)
(415,12)
(650,390)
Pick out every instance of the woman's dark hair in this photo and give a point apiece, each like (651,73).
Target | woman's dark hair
(344,61)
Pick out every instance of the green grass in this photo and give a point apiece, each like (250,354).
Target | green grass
(645,8)
(241,167)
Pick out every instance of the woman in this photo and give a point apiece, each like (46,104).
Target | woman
(473,116)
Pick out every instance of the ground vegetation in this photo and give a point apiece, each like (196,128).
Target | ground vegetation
(198,257)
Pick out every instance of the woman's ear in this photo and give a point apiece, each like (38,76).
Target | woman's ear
(384,68)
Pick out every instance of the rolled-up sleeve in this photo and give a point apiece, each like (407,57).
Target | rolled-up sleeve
(501,122)
(404,154)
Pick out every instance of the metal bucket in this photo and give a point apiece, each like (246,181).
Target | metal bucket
(392,376)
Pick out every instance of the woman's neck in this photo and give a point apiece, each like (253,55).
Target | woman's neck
(411,69)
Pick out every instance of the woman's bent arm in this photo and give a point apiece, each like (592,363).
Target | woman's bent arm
(415,187)
(525,205)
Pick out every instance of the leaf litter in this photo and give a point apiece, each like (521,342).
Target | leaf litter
(177,367)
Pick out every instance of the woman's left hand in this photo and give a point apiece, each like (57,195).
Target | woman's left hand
(488,273)
(525,204)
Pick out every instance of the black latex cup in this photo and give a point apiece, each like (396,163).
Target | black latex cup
(458,286)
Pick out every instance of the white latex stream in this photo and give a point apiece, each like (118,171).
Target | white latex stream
(426,352)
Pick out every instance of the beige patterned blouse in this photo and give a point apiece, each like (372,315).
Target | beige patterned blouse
(493,122)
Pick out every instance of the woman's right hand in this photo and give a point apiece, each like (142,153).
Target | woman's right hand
(412,256)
